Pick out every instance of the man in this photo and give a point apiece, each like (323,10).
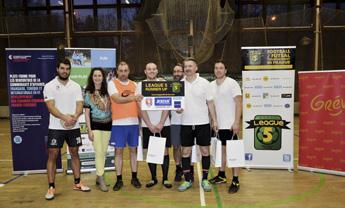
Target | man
(196,123)
(155,122)
(228,101)
(175,128)
(125,127)
(64,101)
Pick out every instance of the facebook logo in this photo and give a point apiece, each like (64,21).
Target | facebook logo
(249,156)
(286,157)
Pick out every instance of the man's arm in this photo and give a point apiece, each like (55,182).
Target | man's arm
(117,98)
(238,114)
(79,109)
(164,117)
(212,110)
(55,112)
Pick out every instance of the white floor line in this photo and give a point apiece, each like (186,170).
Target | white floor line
(202,193)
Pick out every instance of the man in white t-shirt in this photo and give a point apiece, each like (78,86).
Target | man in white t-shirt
(175,128)
(125,125)
(196,123)
(155,123)
(64,101)
(228,101)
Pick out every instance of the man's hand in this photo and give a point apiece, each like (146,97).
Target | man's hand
(159,127)
(69,120)
(138,98)
(152,128)
(214,126)
(236,127)
(179,111)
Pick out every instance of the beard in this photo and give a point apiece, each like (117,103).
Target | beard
(177,78)
(63,78)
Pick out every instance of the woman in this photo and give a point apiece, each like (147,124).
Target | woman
(98,120)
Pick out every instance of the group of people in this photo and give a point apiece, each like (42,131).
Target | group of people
(113,117)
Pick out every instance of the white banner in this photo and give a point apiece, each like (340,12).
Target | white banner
(268,116)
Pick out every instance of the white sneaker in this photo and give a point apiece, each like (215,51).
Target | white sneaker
(50,193)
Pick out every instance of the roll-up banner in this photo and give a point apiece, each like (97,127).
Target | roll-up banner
(28,69)
(83,60)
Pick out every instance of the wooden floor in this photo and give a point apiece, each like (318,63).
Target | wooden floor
(259,188)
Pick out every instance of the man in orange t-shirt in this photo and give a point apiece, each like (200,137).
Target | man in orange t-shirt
(125,126)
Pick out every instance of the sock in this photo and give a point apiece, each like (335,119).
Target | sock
(51,185)
(186,168)
(205,160)
(235,179)
(192,170)
(119,178)
(165,167)
(134,175)
(221,174)
(76,180)
(153,170)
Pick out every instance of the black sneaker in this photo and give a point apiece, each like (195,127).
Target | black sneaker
(151,183)
(234,187)
(118,185)
(178,175)
(167,184)
(136,183)
(217,180)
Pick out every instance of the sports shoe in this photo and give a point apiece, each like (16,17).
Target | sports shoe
(167,184)
(184,186)
(118,185)
(151,183)
(234,187)
(136,183)
(206,185)
(81,187)
(50,193)
(217,180)
(101,184)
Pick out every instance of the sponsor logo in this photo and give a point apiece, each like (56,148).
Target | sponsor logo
(19,58)
(286,157)
(277,86)
(265,95)
(248,105)
(267,131)
(163,102)
(17,139)
(287,105)
(265,78)
(148,102)
(176,87)
(247,95)
(248,156)
(268,105)
(288,95)
(177,104)
(258,86)
(103,58)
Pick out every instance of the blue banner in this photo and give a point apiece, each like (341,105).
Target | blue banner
(27,72)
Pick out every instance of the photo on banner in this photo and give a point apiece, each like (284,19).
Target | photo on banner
(83,60)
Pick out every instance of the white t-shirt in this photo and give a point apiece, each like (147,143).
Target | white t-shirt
(196,95)
(154,115)
(65,98)
(224,95)
(125,121)
(176,118)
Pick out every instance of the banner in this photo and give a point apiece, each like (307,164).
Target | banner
(268,58)
(27,72)
(322,121)
(268,104)
(162,95)
(83,60)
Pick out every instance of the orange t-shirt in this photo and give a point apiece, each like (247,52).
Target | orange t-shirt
(124,110)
